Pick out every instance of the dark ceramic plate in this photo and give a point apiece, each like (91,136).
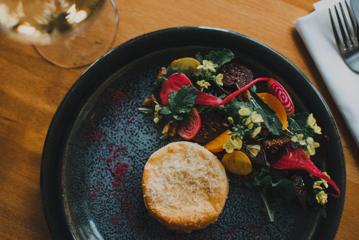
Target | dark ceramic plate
(98,143)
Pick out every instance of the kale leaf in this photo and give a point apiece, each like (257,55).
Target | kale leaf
(298,123)
(270,119)
(181,102)
(220,57)
(270,186)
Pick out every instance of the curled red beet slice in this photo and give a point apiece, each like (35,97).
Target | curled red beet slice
(174,83)
(189,128)
(296,159)
(210,100)
(282,94)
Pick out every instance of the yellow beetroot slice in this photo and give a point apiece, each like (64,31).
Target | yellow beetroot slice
(238,163)
(186,64)
(274,104)
(216,145)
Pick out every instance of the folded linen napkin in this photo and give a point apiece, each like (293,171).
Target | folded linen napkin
(343,84)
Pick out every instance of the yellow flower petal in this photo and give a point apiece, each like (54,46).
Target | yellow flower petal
(228,147)
(230,120)
(244,112)
(256,131)
(311,121)
(203,84)
(248,121)
(256,117)
(322,198)
(237,143)
(219,79)
(253,149)
(208,65)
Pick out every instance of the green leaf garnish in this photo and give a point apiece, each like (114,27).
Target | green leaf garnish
(270,186)
(182,101)
(165,111)
(270,119)
(220,57)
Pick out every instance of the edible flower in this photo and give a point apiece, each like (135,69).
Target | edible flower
(253,150)
(321,197)
(219,79)
(298,138)
(203,84)
(244,112)
(311,146)
(312,123)
(309,143)
(256,131)
(156,114)
(207,65)
(256,117)
(319,184)
(230,120)
(235,143)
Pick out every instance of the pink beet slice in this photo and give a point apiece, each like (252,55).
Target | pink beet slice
(296,159)
(189,129)
(279,91)
(174,83)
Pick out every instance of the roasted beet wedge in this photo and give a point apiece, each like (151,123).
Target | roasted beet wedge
(212,126)
(236,74)
(276,144)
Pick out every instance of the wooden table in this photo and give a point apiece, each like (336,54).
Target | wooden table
(31,89)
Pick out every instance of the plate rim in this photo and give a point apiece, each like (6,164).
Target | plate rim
(50,184)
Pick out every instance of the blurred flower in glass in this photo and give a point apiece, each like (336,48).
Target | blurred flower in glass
(67,33)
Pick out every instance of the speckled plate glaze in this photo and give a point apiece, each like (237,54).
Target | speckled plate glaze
(98,143)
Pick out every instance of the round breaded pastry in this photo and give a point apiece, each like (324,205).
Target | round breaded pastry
(184,186)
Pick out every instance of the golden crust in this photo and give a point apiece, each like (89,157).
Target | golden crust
(185,186)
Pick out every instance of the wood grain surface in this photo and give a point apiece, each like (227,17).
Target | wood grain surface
(31,89)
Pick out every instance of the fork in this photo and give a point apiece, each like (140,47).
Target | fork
(347,35)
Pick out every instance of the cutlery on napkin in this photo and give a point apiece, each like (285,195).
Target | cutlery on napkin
(342,83)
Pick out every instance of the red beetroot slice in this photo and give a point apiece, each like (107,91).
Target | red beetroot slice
(296,159)
(279,91)
(189,128)
(207,99)
(213,127)
(174,83)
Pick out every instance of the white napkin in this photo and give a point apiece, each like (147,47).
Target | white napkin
(343,84)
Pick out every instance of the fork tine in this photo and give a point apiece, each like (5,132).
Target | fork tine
(337,39)
(347,27)
(344,36)
(352,20)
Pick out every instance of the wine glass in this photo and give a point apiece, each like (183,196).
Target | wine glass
(67,33)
